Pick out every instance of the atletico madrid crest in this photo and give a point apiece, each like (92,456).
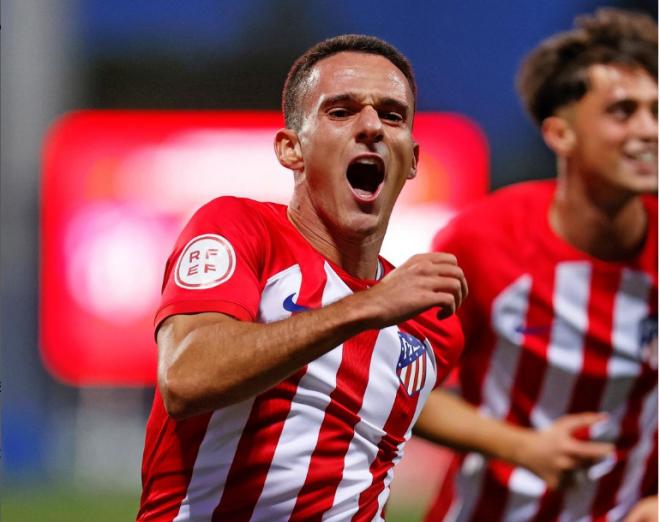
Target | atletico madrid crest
(411,368)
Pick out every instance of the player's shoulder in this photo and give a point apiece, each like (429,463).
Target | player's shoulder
(226,209)
(238,205)
(237,219)
(514,200)
(500,213)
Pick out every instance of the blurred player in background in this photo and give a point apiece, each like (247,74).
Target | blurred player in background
(293,360)
(562,316)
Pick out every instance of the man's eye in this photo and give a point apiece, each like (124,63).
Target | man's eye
(391,116)
(339,113)
(619,113)
(622,111)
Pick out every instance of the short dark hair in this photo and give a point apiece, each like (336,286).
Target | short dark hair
(295,82)
(555,73)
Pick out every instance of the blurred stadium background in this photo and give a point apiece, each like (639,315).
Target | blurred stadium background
(72,452)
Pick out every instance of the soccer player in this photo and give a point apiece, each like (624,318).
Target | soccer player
(293,360)
(562,317)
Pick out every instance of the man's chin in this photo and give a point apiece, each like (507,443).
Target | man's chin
(642,177)
(647,184)
(363,223)
(638,181)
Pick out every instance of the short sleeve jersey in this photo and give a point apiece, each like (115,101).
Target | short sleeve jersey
(320,444)
(548,331)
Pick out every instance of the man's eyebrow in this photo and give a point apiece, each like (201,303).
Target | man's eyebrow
(395,104)
(630,101)
(387,102)
(339,98)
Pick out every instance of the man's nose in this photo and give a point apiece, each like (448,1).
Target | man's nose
(369,126)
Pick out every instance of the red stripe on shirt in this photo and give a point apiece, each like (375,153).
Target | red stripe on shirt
(446,492)
(494,492)
(254,453)
(591,380)
(649,485)
(395,428)
(550,506)
(609,485)
(168,462)
(477,361)
(527,383)
(326,465)
(533,361)
(247,474)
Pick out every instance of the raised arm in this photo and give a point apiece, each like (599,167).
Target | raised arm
(549,453)
(210,360)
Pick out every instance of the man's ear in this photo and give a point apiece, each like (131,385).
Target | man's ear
(415,161)
(288,149)
(559,135)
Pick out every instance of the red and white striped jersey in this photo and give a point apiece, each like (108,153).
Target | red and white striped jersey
(322,444)
(548,331)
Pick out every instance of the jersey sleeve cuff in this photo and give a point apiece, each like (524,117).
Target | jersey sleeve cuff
(196,307)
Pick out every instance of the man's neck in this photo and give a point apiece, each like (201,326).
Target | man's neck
(355,254)
(605,227)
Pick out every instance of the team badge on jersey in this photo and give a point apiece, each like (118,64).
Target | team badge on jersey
(411,367)
(205,262)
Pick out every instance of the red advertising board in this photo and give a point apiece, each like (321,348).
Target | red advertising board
(117,188)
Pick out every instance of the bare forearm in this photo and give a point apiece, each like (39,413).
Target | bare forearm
(452,422)
(549,453)
(210,360)
(221,361)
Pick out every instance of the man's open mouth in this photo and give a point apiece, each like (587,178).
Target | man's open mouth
(365,175)
(644,156)
(645,159)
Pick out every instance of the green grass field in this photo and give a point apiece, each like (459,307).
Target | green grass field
(66,504)
(69,504)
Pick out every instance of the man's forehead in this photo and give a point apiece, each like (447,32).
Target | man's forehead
(621,81)
(352,71)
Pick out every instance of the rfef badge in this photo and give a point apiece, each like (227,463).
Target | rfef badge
(205,262)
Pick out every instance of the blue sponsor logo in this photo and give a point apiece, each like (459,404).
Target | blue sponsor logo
(291,306)
(542,329)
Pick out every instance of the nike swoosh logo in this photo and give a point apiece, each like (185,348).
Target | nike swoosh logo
(533,330)
(291,306)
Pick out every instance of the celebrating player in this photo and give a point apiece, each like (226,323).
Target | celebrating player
(293,360)
(562,316)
